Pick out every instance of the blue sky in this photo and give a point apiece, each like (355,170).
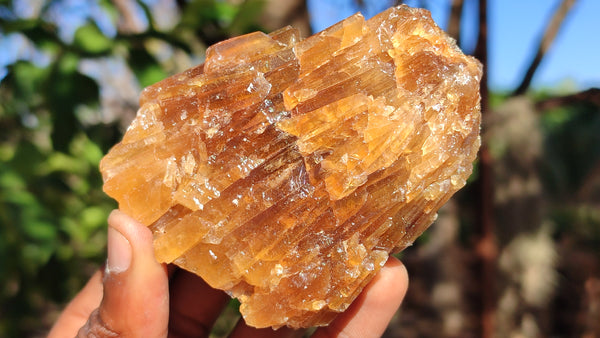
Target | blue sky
(515,29)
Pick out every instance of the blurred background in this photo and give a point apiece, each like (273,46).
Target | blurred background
(516,253)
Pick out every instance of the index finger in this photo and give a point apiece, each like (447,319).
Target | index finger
(79,309)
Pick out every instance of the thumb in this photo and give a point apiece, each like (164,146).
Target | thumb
(135,302)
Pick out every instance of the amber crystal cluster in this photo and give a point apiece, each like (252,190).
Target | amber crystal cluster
(284,171)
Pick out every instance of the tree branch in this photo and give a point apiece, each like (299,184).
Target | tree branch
(129,22)
(545,43)
(454,20)
(486,248)
(590,183)
(591,95)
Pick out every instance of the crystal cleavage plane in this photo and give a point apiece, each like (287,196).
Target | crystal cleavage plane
(284,171)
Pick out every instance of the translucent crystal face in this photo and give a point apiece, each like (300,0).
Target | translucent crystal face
(285,171)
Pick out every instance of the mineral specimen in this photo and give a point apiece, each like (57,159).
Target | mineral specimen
(285,171)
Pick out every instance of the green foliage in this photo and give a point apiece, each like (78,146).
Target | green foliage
(145,67)
(52,209)
(571,143)
(90,39)
(572,161)
(215,20)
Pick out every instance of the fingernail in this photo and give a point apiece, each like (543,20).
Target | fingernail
(119,252)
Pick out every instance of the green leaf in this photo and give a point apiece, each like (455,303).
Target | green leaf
(60,162)
(83,148)
(68,63)
(90,39)
(20,25)
(245,20)
(92,153)
(26,160)
(95,245)
(39,231)
(36,255)
(225,12)
(7,151)
(27,80)
(151,74)
(68,89)
(147,70)
(42,35)
(93,218)
(11,181)
(199,14)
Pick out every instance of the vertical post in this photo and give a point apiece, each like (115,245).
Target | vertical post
(454,20)
(486,247)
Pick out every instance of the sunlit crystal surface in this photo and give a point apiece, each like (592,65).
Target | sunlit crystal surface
(285,171)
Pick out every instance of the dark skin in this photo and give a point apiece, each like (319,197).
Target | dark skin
(135,296)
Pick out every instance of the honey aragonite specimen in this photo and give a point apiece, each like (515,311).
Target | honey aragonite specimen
(284,171)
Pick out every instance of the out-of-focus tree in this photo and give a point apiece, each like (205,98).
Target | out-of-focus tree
(523,235)
(546,41)
(71,73)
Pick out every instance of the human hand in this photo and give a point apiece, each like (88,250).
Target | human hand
(135,296)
